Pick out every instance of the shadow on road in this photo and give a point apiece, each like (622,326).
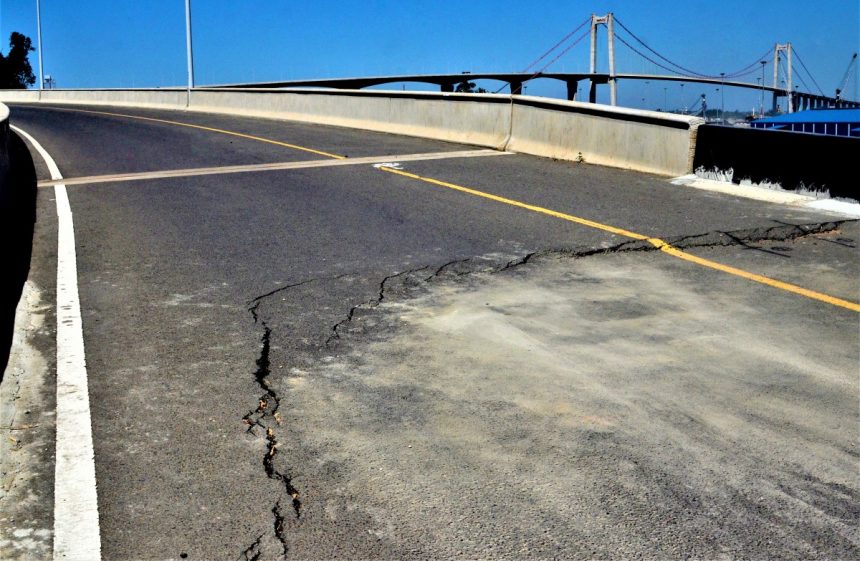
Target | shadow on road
(17,220)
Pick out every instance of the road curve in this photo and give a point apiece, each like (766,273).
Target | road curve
(452,355)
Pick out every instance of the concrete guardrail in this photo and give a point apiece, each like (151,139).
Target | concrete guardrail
(5,195)
(660,143)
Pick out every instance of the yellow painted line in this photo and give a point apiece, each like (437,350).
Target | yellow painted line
(656,242)
(201,127)
(512,202)
(674,251)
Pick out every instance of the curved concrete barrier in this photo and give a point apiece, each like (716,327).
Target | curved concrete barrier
(4,146)
(4,158)
(451,117)
(648,141)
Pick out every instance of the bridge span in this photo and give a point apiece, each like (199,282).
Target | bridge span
(516,80)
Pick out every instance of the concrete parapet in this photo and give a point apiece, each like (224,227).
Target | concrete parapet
(450,117)
(4,146)
(648,141)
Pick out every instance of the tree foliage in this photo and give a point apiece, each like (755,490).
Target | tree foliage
(15,70)
(468,87)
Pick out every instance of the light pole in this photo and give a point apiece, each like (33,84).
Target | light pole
(761,109)
(716,91)
(188,49)
(682,99)
(722,98)
(758,82)
(39,41)
(665,98)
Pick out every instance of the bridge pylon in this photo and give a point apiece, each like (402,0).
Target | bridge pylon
(778,49)
(609,21)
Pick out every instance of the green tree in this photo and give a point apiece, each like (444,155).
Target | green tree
(15,70)
(468,87)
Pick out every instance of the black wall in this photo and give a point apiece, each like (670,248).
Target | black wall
(17,220)
(791,159)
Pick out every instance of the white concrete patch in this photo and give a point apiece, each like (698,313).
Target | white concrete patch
(76,518)
(769,195)
(26,431)
(745,191)
(832,205)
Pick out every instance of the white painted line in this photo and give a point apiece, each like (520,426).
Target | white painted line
(276,166)
(76,516)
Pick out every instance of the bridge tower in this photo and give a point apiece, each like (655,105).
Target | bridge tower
(609,21)
(789,90)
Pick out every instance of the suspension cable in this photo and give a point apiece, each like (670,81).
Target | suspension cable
(678,66)
(808,73)
(557,45)
(553,61)
(751,67)
(651,60)
(644,44)
(803,82)
(562,53)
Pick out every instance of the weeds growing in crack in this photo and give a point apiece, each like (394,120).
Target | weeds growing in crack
(272,473)
(268,405)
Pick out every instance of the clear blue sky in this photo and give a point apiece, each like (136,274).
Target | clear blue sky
(138,43)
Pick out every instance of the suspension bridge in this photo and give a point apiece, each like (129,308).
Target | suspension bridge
(781,58)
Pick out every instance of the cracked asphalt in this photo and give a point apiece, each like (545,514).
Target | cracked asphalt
(346,363)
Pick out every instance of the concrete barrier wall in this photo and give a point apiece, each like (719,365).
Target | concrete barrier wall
(452,117)
(4,148)
(647,141)
(155,98)
(610,136)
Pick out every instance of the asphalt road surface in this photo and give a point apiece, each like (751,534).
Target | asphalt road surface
(454,355)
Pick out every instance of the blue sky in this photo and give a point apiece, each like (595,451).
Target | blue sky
(141,43)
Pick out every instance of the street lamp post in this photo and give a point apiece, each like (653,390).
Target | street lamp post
(716,91)
(39,41)
(722,98)
(682,99)
(665,98)
(761,109)
(189,51)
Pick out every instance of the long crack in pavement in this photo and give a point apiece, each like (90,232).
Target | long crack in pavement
(266,419)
